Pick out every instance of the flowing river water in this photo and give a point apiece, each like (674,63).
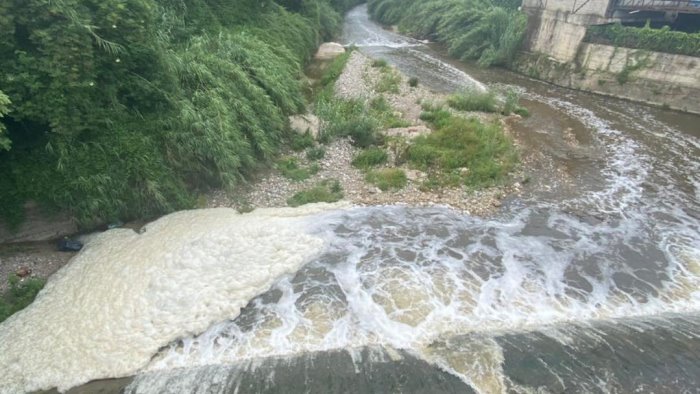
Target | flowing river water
(591,285)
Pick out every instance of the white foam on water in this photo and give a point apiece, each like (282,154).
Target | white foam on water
(126,294)
(407,278)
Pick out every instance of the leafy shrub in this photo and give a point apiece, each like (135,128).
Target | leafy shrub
(347,118)
(299,142)
(326,191)
(471,100)
(388,178)
(317,153)
(413,82)
(20,294)
(389,82)
(370,157)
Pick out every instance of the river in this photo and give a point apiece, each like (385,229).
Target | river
(590,285)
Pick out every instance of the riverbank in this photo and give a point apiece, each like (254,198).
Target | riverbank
(359,81)
(270,188)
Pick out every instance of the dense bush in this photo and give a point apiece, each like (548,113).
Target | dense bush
(661,40)
(122,108)
(489,31)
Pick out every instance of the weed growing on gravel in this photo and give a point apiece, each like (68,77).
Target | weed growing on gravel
(472,100)
(381,110)
(346,118)
(19,295)
(314,154)
(370,157)
(387,178)
(325,191)
(299,142)
(389,82)
(290,168)
(464,151)
(379,63)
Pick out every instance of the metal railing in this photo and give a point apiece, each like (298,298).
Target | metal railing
(692,6)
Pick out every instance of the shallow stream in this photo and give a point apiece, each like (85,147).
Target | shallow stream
(585,285)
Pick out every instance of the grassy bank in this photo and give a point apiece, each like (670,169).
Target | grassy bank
(121,110)
(488,31)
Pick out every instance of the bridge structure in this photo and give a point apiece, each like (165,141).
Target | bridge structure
(556,28)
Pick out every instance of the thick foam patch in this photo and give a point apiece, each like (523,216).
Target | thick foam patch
(126,294)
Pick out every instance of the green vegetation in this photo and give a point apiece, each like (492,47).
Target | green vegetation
(290,168)
(463,151)
(299,142)
(335,69)
(326,191)
(511,105)
(639,61)
(381,110)
(387,178)
(648,38)
(370,157)
(20,294)
(346,118)
(315,154)
(380,63)
(413,82)
(488,31)
(122,109)
(471,100)
(389,81)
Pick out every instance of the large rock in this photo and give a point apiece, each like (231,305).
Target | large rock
(305,124)
(329,50)
(38,227)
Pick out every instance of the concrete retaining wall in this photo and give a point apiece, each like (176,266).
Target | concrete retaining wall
(653,77)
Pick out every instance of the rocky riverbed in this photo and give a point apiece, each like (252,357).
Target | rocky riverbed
(359,81)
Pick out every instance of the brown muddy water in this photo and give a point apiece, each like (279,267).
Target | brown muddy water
(587,283)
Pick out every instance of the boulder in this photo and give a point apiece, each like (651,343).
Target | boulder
(329,50)
(305,124)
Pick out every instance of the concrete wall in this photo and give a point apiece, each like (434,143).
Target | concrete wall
(555,52)
(638,75)
(557,27)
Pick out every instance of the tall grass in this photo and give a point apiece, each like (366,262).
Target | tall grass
(487,31)
(464,151)
(129,109)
